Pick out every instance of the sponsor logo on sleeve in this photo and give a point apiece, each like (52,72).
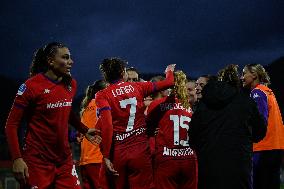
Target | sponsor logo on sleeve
(22,89)
(255,95)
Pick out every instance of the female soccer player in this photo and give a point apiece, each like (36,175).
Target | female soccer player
(122,124)
(175,160)
(268,152)
(91,156)
(45,101)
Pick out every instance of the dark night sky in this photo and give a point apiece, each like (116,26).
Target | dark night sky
(200,36)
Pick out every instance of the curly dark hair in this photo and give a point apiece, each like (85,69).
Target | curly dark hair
(41,56)
(113,69)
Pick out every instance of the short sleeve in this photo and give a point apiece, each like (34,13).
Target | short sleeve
(101,103)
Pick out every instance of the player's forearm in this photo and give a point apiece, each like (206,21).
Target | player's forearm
(168,82)
(11,130)
(76,122)
(105,125)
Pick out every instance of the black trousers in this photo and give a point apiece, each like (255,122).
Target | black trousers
(266,169)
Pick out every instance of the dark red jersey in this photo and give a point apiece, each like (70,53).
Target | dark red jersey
(124,118)
(125,100)
(47,105)
(173,121)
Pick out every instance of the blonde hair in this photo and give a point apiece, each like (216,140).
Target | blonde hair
(90,93)
(180,89)
(263,76)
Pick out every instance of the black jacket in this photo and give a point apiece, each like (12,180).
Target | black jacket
(223,127)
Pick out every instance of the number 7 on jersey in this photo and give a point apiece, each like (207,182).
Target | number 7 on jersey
(133,103)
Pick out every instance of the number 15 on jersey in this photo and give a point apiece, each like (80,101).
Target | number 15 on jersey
(180,121)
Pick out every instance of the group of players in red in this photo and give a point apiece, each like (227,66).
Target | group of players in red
(144,145)
(125,143)
(45,101)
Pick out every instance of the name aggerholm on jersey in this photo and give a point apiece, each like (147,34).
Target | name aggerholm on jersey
(59,104)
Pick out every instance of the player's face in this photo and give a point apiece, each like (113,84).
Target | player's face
(200,83)
(61,64)
(165,93)
(147,101)
(132,76)
(191,92)
(247,78)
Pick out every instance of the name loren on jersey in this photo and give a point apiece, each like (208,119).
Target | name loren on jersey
(59,104)
(122,90)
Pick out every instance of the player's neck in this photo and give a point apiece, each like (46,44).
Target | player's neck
(51,75)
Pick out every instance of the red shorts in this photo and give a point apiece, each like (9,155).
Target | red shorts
(176,173)
(134,167)
(152,143)
(46,175)
(90,175)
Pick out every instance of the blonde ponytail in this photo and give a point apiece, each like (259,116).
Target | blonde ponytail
(180,89)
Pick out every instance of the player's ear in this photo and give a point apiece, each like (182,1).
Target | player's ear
(254,76)
(50,61)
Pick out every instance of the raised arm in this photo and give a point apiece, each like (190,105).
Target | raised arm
(151,87)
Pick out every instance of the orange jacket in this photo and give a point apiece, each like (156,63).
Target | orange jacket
(89,152)
(274,138)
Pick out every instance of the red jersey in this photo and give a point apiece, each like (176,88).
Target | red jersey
(125,100)
(47,105)
(124,118)
(173,120)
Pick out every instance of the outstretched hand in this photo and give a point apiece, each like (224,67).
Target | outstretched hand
(170,67)
(93,136)
(20,170)
(110,168)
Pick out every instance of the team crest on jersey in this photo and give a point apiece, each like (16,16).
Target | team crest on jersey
(22,89)
(46,91)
